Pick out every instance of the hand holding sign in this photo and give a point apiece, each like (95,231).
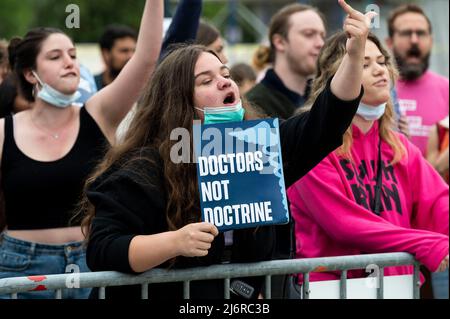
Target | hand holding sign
(357,27)
(194,240)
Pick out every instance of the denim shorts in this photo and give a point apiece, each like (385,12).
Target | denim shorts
(22,259)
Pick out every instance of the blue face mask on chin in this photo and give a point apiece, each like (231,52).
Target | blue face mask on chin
(54,97)
(371,113)
(226,114)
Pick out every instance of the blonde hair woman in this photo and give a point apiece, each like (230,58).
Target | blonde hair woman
(376,193)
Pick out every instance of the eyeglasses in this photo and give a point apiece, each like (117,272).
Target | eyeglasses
(421,34)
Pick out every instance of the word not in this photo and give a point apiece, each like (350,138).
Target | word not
(212,191)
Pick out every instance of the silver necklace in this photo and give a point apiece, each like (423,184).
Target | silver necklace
(55,136)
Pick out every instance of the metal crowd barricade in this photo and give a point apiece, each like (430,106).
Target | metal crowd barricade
(226,272)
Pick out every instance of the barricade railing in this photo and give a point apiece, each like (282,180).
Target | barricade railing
(267,269)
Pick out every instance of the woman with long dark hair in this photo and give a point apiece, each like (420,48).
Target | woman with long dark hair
(143,208)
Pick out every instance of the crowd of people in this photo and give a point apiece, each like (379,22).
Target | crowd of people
(87,177)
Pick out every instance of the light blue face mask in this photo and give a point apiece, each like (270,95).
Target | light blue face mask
(371,113)
(215,115)
(54,97)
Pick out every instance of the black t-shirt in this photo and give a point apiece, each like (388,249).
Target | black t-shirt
(274,99)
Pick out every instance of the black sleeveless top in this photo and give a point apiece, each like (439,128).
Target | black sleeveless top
(42,195)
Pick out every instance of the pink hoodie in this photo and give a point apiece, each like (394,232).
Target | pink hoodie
(331,207)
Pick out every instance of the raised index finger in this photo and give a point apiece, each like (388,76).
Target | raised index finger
(347,8)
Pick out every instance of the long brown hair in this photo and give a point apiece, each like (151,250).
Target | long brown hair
(167,104)
(328,63)
(207,34)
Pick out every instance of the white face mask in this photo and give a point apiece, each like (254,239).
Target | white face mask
(54,97)
(371,113)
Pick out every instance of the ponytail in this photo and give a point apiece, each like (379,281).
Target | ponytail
(12,48)
(262,57)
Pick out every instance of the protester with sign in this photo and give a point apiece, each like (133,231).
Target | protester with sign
(376,193)
(142,203)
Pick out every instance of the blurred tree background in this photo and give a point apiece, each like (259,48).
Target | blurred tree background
(240,21)
(16,17)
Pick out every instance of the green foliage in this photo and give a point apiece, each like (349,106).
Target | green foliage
(210,9)
(16,17)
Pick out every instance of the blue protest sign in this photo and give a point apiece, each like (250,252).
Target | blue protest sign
(240,174)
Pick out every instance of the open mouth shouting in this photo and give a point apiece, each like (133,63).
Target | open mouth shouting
(230,99)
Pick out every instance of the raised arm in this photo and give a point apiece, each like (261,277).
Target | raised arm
(110,105)
(346,84)
(307,138)
(184,25)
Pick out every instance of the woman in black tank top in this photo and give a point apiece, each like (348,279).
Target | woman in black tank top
(48,152)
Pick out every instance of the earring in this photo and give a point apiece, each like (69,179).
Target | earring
(34,91)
